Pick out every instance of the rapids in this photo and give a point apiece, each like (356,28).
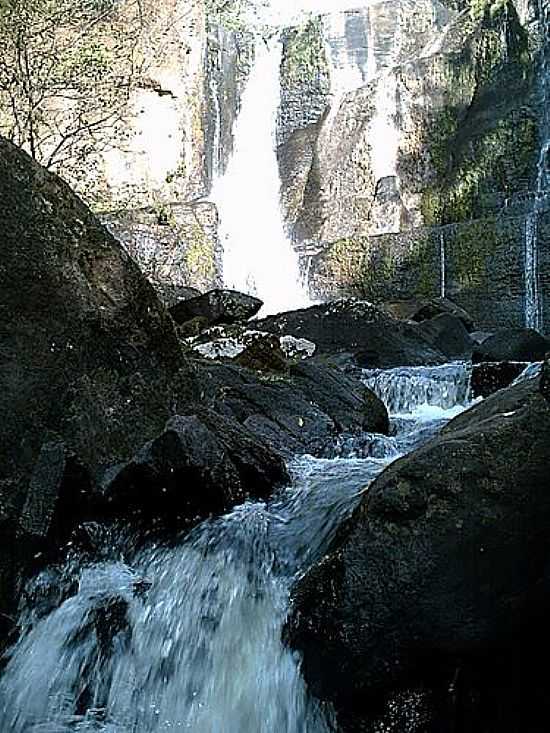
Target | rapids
(187,636)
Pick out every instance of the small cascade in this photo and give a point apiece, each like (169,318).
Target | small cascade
(422,390)
(258,256)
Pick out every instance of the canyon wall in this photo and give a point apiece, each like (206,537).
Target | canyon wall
(443,128)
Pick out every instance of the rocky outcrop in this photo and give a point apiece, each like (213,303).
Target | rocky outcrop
(439,581)
(91,364)
(216,307)
(488,377)
(200,465)
(439,206)
(175,245)
(300,411)
(359,329)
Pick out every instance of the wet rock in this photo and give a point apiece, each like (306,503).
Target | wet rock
(302,410)
(448,334)
(443,567)
(217,306)
(513,344)
(440,306)
(372,337)
(201,465)
(489,377)
(417,310)
(254,349)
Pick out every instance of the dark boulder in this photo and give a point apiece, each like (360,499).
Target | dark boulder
(489,377)
(300,411)
(448,334)
(441,578)
(89,359)
(440,306)
(513,344)
(171,294)
(357,328)
(216,307)
(201,465)
(417,310)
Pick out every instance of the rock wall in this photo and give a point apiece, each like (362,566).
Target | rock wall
(430,141)
(157,153)
(436,122)
(176,246)
(229,57)
(480,265)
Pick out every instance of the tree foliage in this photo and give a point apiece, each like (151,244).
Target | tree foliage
(66,72)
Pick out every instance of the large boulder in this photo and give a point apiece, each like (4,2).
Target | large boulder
(90,364)
(513,344)
(217,306)
(448,334)
(355,327)
(303,410)
(441,578)
(489,377)
(200,465)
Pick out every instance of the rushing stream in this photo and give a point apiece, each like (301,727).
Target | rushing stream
(188,637)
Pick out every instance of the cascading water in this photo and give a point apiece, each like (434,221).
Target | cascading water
(443,265)
(533,301)
(188,636)
(258,256)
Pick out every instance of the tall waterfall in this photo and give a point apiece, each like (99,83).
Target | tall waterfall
(258,256)
(533,298)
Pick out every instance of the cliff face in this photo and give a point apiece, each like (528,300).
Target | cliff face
(444,127)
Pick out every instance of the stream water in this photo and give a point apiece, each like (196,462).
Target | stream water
(188,637)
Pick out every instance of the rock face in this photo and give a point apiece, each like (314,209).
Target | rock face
(444,203)
(175,245)
(302,411)
(201,465)
(489,377)
(357,328)
(91,366)
(442,574)
(217,306)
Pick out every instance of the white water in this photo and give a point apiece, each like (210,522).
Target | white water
(258,257)
(533,296)
(443,265)
(532,290)
(188,637)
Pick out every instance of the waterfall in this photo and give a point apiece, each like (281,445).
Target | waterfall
(533,296)
(532,292)
(188,636)
(258,256)
(443,264)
